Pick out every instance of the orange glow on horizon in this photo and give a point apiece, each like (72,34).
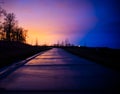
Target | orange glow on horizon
(49,21)
(43,38)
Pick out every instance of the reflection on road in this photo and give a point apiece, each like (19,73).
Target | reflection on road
(59,70)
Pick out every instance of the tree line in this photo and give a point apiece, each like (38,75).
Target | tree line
(65,43)
(9,28)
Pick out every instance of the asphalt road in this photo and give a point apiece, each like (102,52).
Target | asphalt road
(56,69)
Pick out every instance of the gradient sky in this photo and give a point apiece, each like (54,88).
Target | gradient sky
(90,22)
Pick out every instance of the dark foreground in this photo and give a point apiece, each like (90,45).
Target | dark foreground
(56,71)
(11,52)
(105,56)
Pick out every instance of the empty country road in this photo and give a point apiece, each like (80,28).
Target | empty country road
(59,70)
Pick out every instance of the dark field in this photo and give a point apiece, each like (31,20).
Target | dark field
(105,56)
(11,52)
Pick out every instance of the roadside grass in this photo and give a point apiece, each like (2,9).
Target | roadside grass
(105,56)
(11,52)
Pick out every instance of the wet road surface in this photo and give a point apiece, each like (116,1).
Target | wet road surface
(58,70)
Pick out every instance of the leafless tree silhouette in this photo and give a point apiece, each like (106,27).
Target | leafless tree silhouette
(9,29)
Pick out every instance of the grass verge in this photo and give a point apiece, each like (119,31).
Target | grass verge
(11,52)
(105,56)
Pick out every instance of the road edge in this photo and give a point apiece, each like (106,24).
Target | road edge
(6,71)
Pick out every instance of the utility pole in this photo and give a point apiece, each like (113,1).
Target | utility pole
(36,42)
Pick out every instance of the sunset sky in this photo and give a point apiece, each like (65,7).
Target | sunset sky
(90,22)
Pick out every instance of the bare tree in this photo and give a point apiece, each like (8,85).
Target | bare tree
(2,15)
(9,29)
(9,24)
(19,34)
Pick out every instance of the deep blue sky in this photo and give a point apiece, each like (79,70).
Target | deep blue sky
(107,30)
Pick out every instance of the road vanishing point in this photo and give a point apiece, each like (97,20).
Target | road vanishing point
(57,69)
